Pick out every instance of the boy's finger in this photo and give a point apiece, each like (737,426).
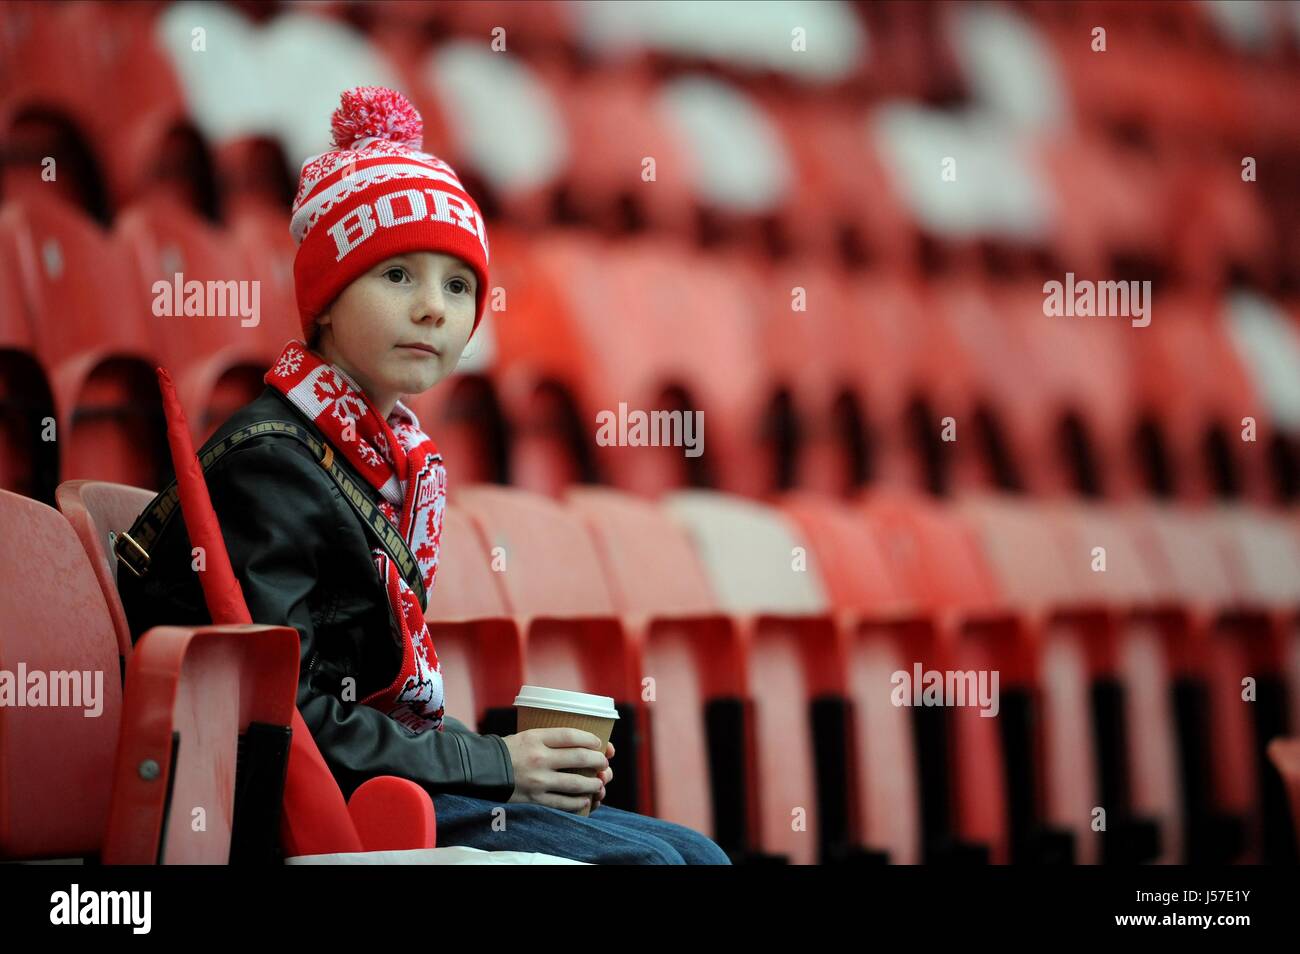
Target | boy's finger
(564,803)
(560,738)
(576,757)
(569,783)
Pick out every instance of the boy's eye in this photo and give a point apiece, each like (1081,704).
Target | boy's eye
(398,269)
(464,285)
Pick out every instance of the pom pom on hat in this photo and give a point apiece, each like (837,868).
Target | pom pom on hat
(379,112)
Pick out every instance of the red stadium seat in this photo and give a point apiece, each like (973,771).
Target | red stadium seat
(471,429)
(141,130)
(1190,564)
(632,359)
(1265,550)
(57,764)
(994,446)
(1075,436)
(27,70)
(693,655)
(97,510)
(814,352)
(884,634)
(206,687)
(843,204)
(664,353)
(1173,94)
(112,85)
(541,359)
(795,669)
(614,126)
(66,793)
(1267,626)
(1110,200)
(1285,756)
(479,643)
(217,360)
(1218,227)
(649,562)
(912,377)
(384,812)
(1147,659)
(521,169)
(566,372)
(552,584)
(938,564)
(541,25)
(15,325)
(254,171)
(261,233)
(916,376)
(90,336)
(46,103)
(28,465)
(1197,393)
(1093,640)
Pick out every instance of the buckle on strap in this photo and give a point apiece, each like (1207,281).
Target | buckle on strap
(130,558)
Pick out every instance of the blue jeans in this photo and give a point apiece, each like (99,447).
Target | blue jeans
(608,836)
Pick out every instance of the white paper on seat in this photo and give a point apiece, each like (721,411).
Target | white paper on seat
(452,855)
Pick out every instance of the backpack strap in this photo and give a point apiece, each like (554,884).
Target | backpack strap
(132,547)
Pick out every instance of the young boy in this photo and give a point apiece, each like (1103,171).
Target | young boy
(391,276)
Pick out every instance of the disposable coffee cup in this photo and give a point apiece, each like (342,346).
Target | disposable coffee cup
(537,707)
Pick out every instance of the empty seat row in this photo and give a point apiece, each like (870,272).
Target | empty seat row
(832,379)
(1147,713)
(576,145)
(87,316)
(1127,668)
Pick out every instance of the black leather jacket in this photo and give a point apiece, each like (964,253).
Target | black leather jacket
(303,559)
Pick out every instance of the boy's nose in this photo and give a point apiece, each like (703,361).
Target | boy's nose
(432,309)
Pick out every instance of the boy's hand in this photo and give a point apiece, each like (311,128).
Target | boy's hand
(606,776)
(539,758)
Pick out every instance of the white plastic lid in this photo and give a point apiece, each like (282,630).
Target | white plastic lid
(562,700)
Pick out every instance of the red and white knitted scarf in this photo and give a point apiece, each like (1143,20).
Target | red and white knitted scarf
(403,464)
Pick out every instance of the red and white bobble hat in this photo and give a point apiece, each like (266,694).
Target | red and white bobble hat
(377,195)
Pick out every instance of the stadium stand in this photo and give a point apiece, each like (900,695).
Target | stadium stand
(835,267)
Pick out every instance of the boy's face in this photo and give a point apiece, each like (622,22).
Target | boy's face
(413,298)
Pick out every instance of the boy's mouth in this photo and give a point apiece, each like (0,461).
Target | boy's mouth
(420,346)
